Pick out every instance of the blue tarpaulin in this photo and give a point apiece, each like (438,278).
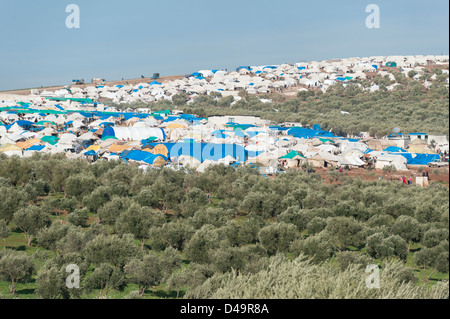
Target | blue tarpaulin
(141,156)
(206,151)
(36,148)
(301,132)
(394,149)
(418,159)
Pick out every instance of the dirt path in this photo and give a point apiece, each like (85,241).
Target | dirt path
(111,83)
(439,176)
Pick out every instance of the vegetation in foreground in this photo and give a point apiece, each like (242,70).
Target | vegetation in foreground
(155,234)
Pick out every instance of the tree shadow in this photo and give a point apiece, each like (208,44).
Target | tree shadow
(413,250)
(19,248)
(28,291)
(167,294)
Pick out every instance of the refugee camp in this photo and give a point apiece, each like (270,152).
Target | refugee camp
(199,156)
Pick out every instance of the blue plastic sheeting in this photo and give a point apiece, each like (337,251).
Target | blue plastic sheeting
(90,153)
(316,127)
(107,124)
(279,128)
(36,148)
(394,149)
(86,114)
(141,156)
(59,107)
(240,125)
(354,140)
(206,151)
(301,68)
(418,159)
(24,123)
(301,132)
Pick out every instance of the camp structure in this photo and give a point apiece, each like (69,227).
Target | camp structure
(142,157)
(134,133)
(11,150)
(397,161)
(324,159)
(292,159)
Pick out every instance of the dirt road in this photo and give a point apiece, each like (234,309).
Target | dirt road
(111,83)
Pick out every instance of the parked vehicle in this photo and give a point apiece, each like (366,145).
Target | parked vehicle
(437,163)
(78,82)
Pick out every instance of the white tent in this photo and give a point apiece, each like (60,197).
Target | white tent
(398,161)
(137,133)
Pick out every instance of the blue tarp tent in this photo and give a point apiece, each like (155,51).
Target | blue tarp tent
(206,151)
(24,124)
(418,159)
(35,148)
(301,132)
(90,153)
(394,149)
(141,156)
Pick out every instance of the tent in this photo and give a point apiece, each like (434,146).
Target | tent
(394,149)
(419,159)
(293,159)
(134,133)
(205,151)
(398,161)
(142,156)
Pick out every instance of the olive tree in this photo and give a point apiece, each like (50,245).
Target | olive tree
(31,220)
(15,266)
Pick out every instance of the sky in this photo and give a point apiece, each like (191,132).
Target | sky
(130,38)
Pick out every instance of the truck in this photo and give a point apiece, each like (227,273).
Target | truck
(437,163)
(78,82)
(99,81)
